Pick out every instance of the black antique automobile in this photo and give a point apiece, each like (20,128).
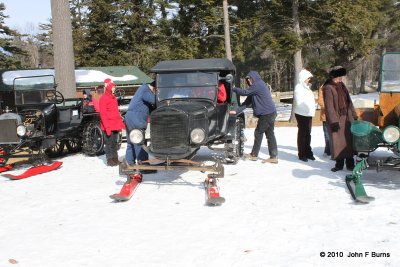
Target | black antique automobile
(36,121)
(188,116)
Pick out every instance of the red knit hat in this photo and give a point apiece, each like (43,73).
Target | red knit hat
(110,86)
(107,81)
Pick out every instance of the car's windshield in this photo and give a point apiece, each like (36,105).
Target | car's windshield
(390,79)
(187,85)
(34,90)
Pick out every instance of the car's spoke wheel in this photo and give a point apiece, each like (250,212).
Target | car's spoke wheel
(74,145)
(235,149)
(56,150)
(93,139)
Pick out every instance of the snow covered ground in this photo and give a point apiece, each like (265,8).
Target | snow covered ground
(288,214)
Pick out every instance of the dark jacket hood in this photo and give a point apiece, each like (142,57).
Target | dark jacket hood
(254,75)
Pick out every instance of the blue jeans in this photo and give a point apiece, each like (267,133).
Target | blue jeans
(135,153)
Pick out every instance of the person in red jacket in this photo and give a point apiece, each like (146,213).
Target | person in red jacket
(221,98)
(111,123)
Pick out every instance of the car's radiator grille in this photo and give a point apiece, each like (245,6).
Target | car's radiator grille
(8,133)
(169,132)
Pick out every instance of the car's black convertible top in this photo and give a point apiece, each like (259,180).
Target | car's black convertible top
(209,64)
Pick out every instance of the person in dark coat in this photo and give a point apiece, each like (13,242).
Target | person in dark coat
(259,95)
(111,123)
(137,118)
(340,112)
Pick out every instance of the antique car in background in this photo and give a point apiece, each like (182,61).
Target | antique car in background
(187,114)
(36,121)
(383,130)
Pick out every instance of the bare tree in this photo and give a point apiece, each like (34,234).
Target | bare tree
(64,63)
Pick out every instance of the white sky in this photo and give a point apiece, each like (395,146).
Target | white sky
(25,16)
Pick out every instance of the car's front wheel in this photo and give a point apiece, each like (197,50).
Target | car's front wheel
(73,145)
(57,150)
(92,139)
(234,150)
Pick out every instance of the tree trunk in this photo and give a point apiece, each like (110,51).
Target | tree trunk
(298,62)
(226,30)
(64,63)
(363,76)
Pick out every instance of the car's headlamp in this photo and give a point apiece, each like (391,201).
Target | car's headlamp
(391,134)
(136,136)
(21,130)
(197,135)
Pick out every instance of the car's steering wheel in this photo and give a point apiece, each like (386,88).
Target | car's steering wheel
(119,93)
(55,96)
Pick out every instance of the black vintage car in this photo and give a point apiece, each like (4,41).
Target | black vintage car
(187,114)
(36,121)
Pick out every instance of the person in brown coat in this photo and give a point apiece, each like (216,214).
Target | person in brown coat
(340,112)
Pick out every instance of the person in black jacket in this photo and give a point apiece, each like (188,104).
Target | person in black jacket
(259,95)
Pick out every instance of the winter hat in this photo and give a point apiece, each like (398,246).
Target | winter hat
(304,75)
(110,86)
(88,95)
(337,71)
(107,81)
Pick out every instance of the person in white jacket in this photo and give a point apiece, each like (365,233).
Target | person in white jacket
(304,109)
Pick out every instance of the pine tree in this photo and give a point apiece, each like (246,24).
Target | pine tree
(9,52)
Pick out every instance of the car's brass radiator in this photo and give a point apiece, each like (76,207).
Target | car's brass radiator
(8,131)
(169,131)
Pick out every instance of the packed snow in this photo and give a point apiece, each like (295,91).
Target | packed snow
(287,214)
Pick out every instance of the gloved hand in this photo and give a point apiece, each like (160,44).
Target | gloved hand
(108,132)
(334,127)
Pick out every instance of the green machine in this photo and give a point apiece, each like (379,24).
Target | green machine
(367,136)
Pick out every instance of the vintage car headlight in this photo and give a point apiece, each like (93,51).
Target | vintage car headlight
(21,130)
(391,134)
(197,135)
(136,136)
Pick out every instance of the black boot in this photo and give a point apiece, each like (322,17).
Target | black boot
(335,169)
(338,166)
